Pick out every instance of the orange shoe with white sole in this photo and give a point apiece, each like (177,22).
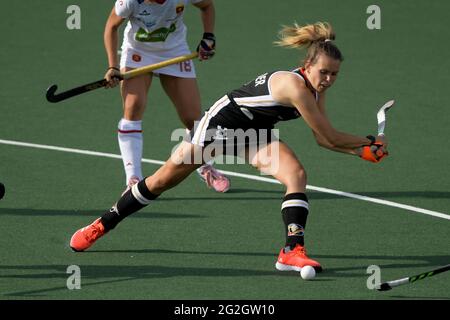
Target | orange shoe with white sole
(85,237)
(295,260)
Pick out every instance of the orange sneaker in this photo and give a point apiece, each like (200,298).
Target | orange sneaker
(85,237)
(295,260)
(213,178)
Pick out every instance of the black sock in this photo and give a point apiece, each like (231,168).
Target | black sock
(295,212)
(133,200)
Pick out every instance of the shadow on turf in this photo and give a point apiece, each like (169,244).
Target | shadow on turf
(118,273)
(329,273)
(428,262)
(123,273)
(92,213)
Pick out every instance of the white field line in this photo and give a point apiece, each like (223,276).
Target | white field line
(240,175)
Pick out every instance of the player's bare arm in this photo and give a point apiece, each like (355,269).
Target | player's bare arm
(321,141)
(208,14)
(289,89)
(206,47)
(111,39)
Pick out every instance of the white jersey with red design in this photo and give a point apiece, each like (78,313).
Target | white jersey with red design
(153,26)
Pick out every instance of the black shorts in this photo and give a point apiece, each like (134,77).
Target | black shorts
(230,127)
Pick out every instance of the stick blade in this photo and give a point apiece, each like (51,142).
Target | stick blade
(381,113)
(52,97)
(384,287)
(381,116)
(50,94)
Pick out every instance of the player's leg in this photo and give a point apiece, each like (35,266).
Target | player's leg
(134,98)
(278,160)
(185,159)
(176,169)
(185,96)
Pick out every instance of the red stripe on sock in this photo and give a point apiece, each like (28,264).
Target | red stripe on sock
(129,131)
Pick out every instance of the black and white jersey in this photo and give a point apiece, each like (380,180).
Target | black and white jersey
(250,107)
(255,100)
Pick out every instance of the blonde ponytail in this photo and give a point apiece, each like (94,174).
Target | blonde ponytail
(298,37)
(316,37)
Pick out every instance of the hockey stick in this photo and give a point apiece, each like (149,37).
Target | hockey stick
(2,190)
(381,116)
(52,97)
(395,283)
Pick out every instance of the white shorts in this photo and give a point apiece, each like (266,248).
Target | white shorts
(133,58)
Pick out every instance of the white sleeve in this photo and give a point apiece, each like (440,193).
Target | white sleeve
(124,8)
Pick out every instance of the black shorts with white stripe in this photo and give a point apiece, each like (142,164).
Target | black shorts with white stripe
(230,127)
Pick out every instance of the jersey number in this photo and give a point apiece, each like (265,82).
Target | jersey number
(185,66)
(260,80)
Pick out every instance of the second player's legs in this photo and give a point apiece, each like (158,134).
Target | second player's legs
(184,94)
(134,99)
(134,96)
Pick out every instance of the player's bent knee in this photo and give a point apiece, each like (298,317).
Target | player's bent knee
(296,178)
